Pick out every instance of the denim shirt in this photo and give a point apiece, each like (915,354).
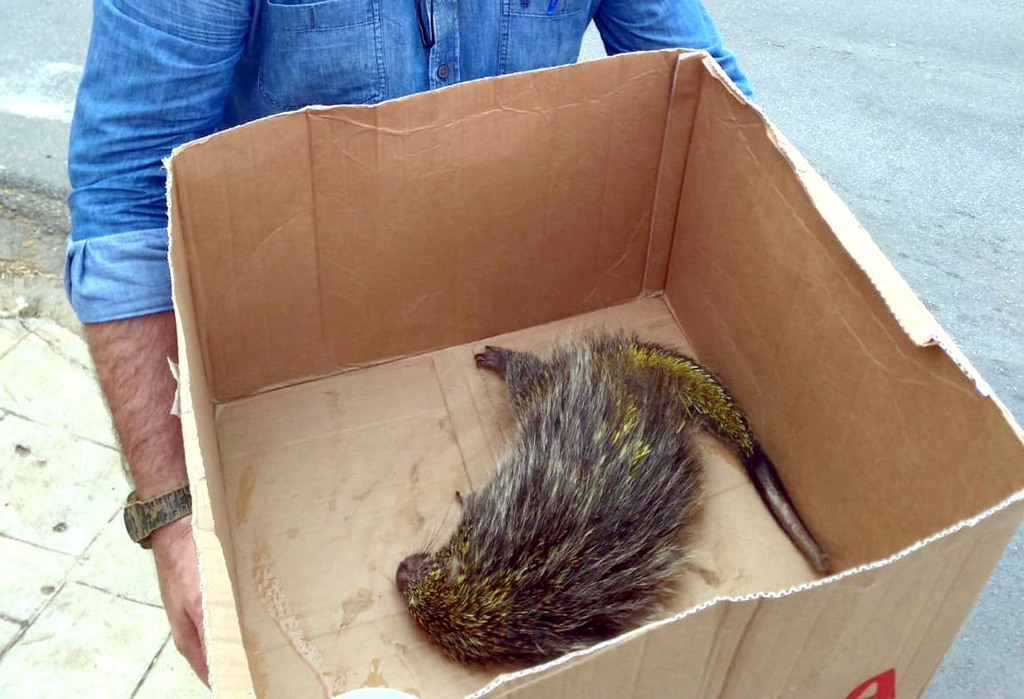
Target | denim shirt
(160,73)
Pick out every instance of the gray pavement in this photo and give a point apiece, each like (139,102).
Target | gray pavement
(914,112)
(80,610)
(42,49)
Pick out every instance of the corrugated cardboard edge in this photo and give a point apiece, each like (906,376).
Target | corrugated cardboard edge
(910,550)
(916,321)
(228,664)
(906,307)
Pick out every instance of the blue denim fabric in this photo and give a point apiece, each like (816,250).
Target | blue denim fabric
(162,72)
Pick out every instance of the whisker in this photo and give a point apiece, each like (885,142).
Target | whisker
(436,535)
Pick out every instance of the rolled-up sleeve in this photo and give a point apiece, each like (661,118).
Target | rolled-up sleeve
(642,25)
(157,75)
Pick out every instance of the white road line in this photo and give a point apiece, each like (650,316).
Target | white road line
(44,92)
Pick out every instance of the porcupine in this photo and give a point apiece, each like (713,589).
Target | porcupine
(582,531)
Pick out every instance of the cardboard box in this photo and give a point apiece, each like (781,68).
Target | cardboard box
(335,269)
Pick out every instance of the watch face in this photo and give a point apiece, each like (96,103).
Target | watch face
(141,518)
(130,524)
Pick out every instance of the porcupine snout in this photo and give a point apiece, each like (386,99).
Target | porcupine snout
(406,569)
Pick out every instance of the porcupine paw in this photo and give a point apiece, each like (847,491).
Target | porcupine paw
(493,358)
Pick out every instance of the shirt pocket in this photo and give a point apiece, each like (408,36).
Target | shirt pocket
(326,52)
(541,33)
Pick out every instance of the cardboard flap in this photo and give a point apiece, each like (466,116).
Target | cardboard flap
(781,291)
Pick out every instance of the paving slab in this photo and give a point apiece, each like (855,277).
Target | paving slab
(61,340)
(56,491)
(119,566)
(86,643)
(9,630)
(41,384)
(171,678)
(32,575)
(11,333)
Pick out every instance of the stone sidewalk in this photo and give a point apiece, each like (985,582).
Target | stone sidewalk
(80,610)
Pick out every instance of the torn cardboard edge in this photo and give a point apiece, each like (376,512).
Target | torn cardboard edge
(919,324)
(225,651)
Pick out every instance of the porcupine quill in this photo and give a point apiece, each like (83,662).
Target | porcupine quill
(583,527)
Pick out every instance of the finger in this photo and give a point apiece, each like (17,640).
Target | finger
(189,645)
(187,637)
(201,668)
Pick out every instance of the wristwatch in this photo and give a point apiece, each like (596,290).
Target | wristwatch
(143,517)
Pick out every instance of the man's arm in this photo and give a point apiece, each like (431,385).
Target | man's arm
(131,362)
(157,74)
(640,25)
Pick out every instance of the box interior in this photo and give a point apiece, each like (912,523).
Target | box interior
(332,407)
(331,483)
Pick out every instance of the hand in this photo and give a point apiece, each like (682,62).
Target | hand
(178,570)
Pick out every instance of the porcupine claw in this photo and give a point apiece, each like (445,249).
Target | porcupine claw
(492,358)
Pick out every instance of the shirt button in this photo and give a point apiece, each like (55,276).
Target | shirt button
(442,71)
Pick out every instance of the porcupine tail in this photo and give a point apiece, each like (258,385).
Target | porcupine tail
(773,493)
(711,402)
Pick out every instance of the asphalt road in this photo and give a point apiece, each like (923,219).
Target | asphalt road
(913,111)
(42,49)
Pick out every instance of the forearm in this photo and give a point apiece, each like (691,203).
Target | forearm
(131,362)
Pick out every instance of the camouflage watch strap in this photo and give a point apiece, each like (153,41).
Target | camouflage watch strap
(143,517)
